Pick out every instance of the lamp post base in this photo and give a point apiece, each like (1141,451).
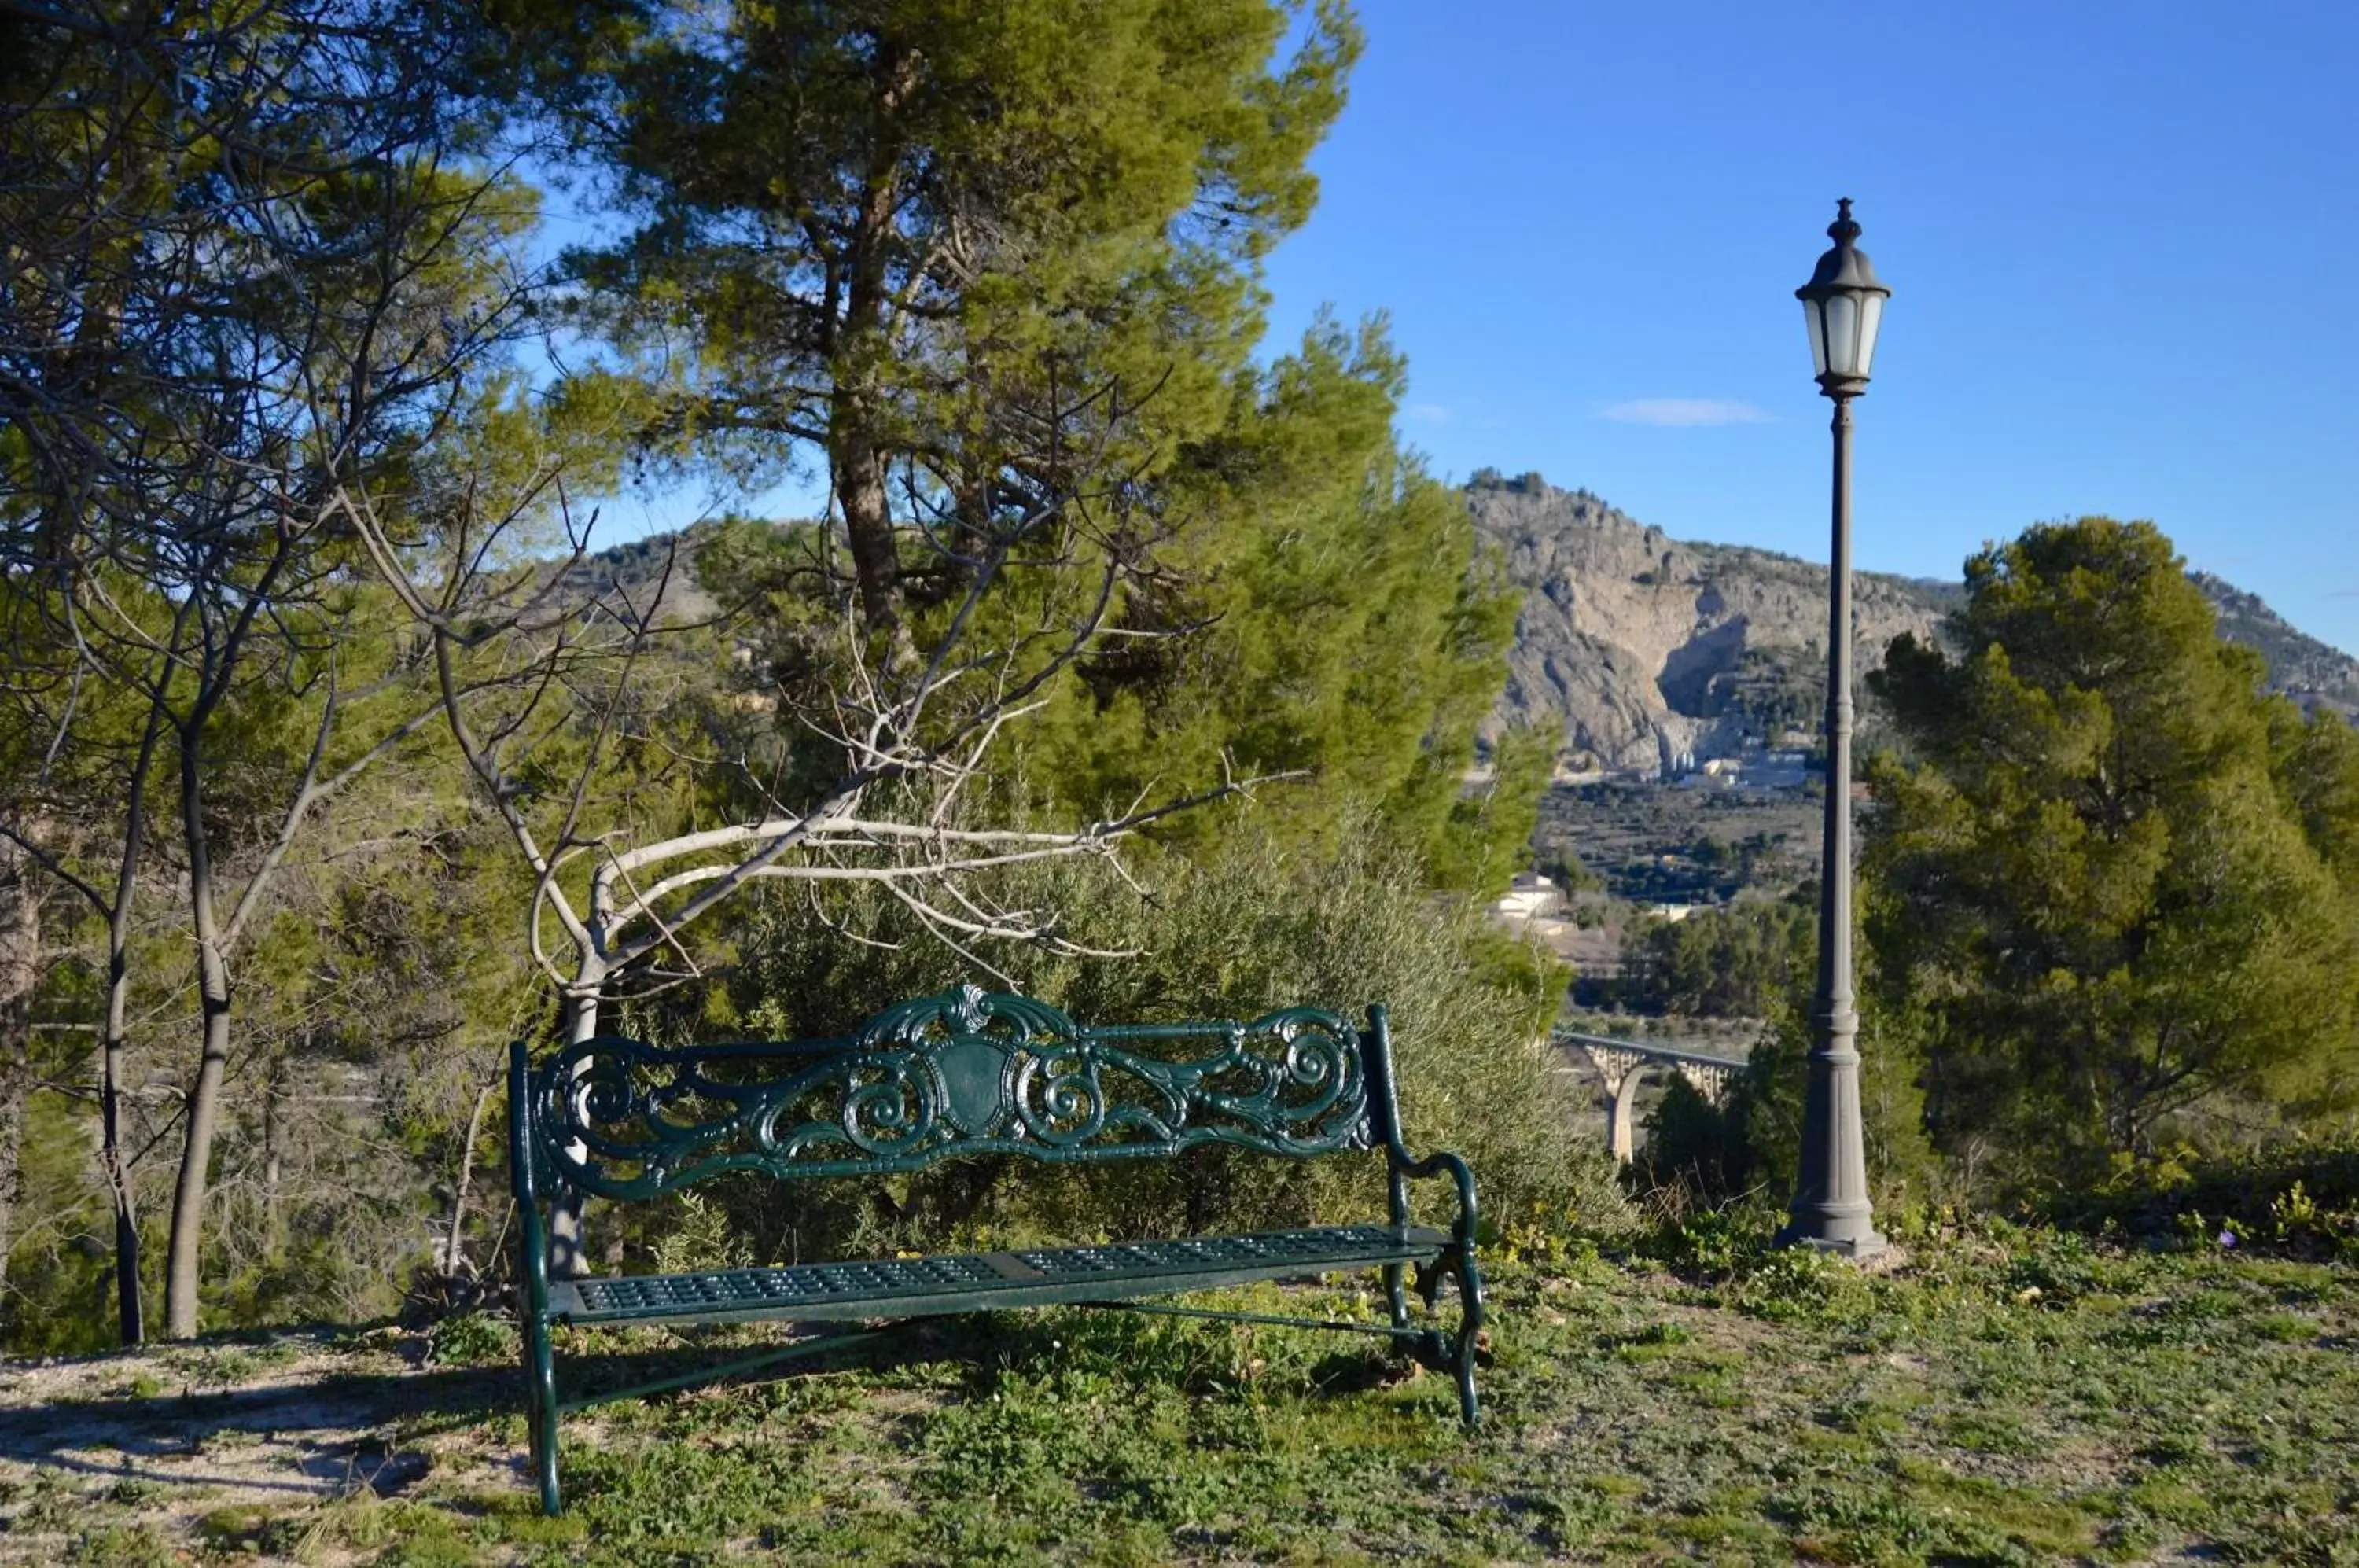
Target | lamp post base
(1868,1244)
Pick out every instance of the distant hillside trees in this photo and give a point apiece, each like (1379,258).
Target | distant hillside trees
(2119,886)
(1739,961)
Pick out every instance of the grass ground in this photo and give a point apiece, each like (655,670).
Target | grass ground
(2007,1397)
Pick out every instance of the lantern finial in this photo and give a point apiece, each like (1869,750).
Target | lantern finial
(1842,230)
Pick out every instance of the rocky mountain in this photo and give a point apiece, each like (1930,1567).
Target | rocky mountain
(2309,671)
(658,575)
(1651,654)
(1647,654)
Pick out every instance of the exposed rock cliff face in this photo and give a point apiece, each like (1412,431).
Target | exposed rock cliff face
(1651,654)
(2312,673)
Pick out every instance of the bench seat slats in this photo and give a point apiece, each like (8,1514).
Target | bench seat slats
(920,1287)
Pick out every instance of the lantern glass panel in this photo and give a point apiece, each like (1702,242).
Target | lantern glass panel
(1871,316)
(1842,334)
(1810,318)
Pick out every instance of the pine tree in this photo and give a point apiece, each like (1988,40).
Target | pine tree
(1330,613)
(2117,879)
(979,260)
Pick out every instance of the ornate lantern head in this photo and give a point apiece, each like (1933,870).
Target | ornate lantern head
(1843,304)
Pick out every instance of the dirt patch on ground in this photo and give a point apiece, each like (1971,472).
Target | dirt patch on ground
(168,1436)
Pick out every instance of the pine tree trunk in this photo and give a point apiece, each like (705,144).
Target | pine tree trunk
(857,454)
(20,952)
(130,1312)
(15,1083)
(130,1316)
(858,466)
(190,1191)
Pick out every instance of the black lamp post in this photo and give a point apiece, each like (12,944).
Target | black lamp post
(1844,305)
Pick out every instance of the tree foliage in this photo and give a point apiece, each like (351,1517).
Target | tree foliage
(979,260)
(2117,882)
(1740,961)
(1328,612)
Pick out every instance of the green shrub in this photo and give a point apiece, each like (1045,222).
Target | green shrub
(473,1339)
(702,1237)
(1694,1157)
(1256,927)
(2299,1196)
(1749,1149)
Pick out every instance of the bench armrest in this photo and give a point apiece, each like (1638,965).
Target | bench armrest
(1384,1110)
(1441,1162)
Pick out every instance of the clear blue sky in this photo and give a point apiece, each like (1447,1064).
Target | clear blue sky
(2122,240)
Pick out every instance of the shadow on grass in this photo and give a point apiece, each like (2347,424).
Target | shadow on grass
(329,1435)
(325,1436)
(317,1438)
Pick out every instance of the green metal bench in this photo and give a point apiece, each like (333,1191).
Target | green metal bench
(968,1073)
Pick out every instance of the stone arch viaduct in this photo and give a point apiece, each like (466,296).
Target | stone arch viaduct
(1623,1064)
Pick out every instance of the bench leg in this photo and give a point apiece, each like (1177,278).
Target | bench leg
(541,1409)
(1470,1332)
(1396,1287)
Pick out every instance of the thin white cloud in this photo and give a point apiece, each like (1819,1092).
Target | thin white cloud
(1428,413)
(1684,411)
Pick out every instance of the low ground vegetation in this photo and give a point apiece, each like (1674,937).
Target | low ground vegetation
(2009,1396)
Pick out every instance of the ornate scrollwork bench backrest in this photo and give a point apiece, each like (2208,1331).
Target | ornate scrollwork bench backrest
(964,1072)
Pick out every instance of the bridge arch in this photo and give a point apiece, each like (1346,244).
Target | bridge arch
(1621,1064)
